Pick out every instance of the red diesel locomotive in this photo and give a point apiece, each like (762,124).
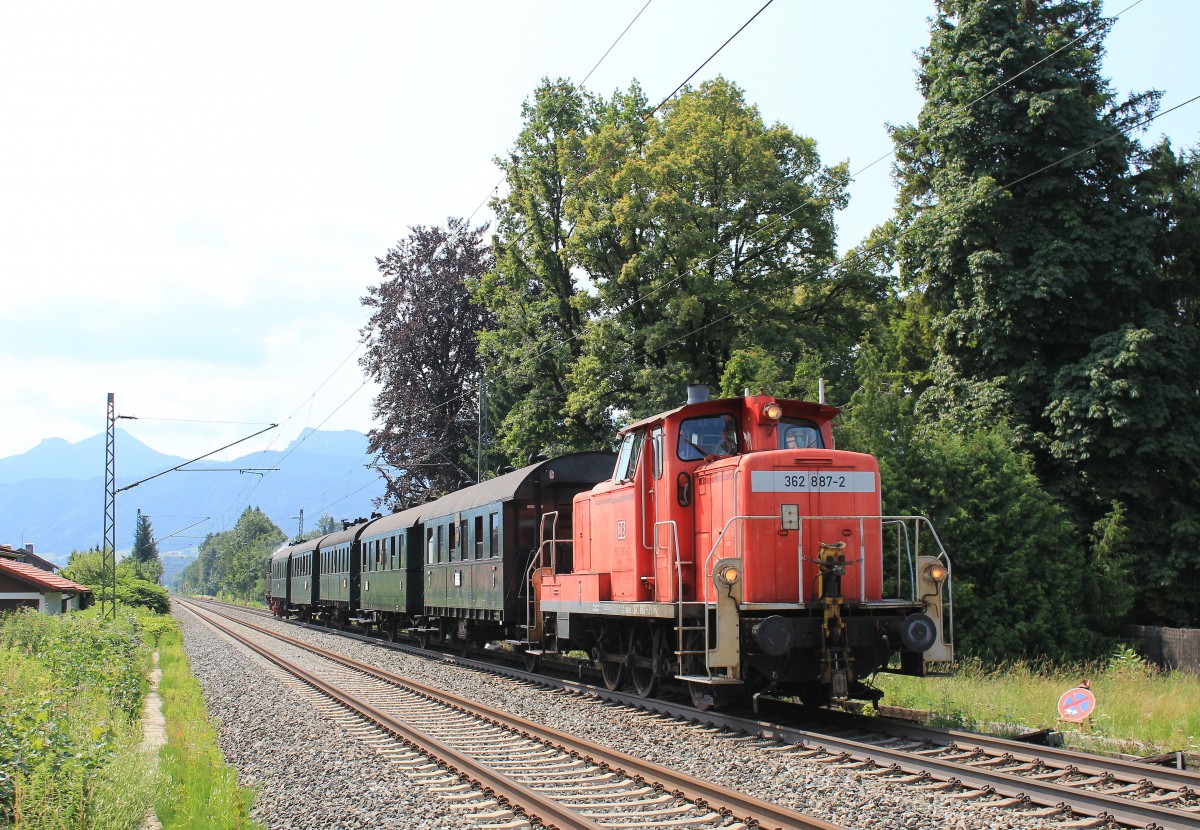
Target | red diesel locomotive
(736,550)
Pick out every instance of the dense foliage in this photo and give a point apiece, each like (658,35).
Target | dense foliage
(1018,344)
(1056,260)
(427,403)
(133,585)
(234,562)
(72,692)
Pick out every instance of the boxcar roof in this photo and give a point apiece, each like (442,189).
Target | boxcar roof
(579,467)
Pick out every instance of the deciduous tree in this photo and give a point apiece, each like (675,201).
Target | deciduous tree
(422,349)
(1042,255)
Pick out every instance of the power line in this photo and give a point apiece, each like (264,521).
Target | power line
(532,359)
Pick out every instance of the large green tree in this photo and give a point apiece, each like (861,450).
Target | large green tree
(539,307)
(707,236)
(640,250)
(1025,223)
(234,562)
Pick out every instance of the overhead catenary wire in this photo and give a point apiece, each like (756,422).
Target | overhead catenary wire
(243,500)
(833,268)
(538,355)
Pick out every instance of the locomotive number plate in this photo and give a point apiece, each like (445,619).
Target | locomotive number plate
(826,481)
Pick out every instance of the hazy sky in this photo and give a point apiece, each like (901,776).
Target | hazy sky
(192,195)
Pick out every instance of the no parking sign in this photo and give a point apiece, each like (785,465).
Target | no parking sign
(1077,704)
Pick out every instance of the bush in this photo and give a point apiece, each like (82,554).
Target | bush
(143,594)
(72,689)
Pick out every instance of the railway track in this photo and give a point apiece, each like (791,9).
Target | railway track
(503,771)
(1042,781)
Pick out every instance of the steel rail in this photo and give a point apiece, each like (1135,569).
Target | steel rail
(509,793)
(1089,803)
(753,811)
(1164,778)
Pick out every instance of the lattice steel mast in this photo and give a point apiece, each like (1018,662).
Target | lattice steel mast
(108,576)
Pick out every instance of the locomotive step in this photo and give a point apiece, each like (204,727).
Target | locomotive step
(704,678)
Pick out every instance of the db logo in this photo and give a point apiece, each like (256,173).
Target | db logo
(621,529)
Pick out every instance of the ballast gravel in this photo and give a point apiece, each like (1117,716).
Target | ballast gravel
(314,775)
(309,774)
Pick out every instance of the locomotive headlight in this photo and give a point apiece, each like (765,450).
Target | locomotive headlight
(729,575)
(936,572)
(772,411)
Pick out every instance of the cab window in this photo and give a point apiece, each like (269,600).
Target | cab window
(799,434)
(712,435)
(627,456)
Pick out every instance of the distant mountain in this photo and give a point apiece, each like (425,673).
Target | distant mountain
(56,458)
(53,495)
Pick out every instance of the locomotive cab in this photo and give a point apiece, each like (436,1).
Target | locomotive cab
(737,550)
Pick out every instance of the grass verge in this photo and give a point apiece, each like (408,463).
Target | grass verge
(204,793)
(1139,709)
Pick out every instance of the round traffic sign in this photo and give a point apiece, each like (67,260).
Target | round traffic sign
(1076,704)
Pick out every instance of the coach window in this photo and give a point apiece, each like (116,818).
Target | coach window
(442,537)
(627,456)
(479,536)
(430,547)
(493,534)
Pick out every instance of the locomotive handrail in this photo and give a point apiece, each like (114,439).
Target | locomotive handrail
(706,601)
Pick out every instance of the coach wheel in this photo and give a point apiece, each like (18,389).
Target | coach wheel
(645,647)
(423,639)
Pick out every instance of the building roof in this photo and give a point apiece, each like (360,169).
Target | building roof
(43,579)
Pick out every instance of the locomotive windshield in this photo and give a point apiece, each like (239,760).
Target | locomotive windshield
(799,434)
(714,435)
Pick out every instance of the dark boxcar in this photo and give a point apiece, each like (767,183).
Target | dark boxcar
(304,574)
(338,591)
(279,596)
(389,561)
(479,543)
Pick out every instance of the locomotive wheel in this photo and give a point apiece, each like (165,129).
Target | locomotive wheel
(613,671)
(645,647)
(613,674)
(533,662)
(705,696)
